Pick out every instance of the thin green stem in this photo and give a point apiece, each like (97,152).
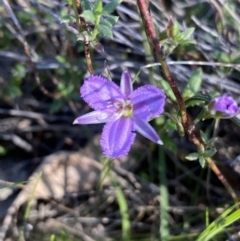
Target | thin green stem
(123,206)
(163,229)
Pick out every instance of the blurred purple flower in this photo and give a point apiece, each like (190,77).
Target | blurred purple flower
(123,110)
(223,107)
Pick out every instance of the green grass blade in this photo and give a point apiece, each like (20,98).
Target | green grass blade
(29,203)
(220,223)
(163,229)
(122,202)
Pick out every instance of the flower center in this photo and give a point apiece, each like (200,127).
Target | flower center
(125,108)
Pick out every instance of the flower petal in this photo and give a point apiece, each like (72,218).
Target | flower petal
(145,129)
(94,117)
(148,102)
(117,137)
(126,83)
(100,93)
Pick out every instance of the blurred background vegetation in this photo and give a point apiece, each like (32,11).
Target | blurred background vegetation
(39,99)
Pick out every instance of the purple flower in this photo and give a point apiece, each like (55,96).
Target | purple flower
(123,110)
(223,107)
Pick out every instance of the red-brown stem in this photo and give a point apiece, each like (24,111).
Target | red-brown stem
(87,45)
(221,177)
(158,55)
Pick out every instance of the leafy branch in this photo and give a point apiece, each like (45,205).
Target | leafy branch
(159,57)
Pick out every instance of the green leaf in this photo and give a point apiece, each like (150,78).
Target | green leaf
(68,19)
(88,16)
(111,6)
(185,42)
(211,142)
(192,157)
(86,5)
(18,72)
(197,99)
(105,31)
(167,88)
(203,136)
(112,19)
(98,7)
(106,23)
(13,91)
(175,30)
(202,161)
(187,33)
(210,153)
(193,102)
(194,84)
(170,125)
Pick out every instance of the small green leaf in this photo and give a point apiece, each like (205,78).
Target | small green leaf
(192,157)
(185,42)
(175,30)
(112,19)
(202,161)
(106,23)
(194,84)
(204,136)
(111,6)
(170,125)
(187,33)
(167,88)
(98,7)
(193,102)
(210,153)
(86,5)
(105,31)
(68,19)
(211,141)
(197,99)
(88,16)
(18,73)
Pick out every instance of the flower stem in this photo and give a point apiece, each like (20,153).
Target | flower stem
(224,181)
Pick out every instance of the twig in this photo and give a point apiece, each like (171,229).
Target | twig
(202,63)
(33,115)
(82,26)
(222,179)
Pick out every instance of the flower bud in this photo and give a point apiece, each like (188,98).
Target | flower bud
(223,107)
